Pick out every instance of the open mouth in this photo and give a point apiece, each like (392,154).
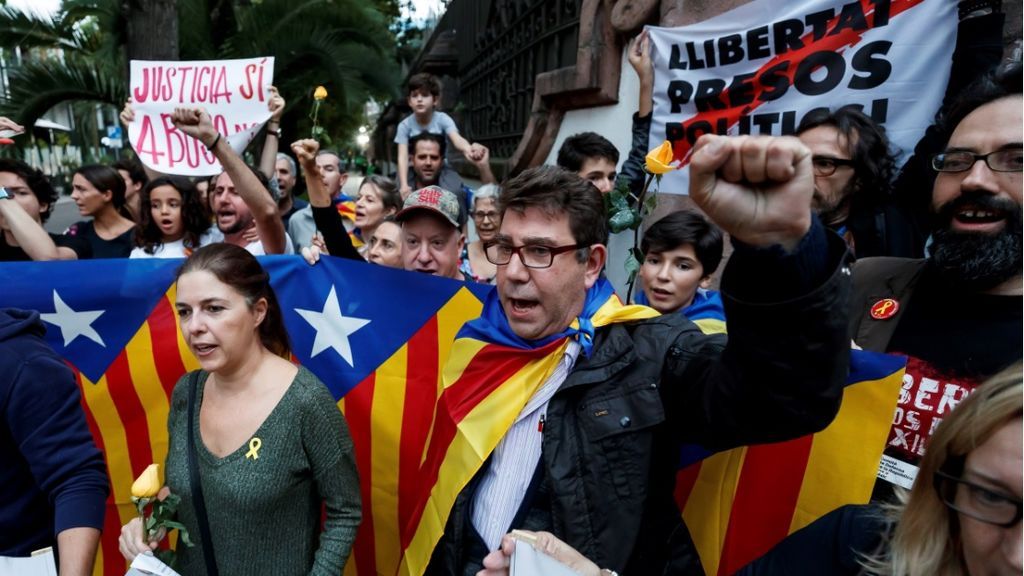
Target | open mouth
(659,292)
(203,350)
(520,306)
(970,215)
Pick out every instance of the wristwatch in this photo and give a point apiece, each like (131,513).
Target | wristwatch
(4,194)
(274,132)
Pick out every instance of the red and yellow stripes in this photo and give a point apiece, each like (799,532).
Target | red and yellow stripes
(127,412)
(390,417)
(747,499)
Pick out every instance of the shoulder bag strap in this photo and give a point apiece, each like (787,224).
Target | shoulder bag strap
(197,486)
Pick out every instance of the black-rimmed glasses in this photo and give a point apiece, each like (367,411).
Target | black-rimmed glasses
(1005,160)
(826,165)
(977,501)
(531,255)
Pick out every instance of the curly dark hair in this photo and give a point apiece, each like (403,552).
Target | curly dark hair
(36,181)
(874,161)
(194,217)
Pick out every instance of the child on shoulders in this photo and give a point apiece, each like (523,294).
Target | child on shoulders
(424,96)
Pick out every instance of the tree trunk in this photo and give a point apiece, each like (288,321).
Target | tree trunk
(152,29)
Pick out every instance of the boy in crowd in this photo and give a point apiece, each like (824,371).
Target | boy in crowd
(681,252)
(424,97)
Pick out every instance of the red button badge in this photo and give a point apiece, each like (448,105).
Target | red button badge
(884,309)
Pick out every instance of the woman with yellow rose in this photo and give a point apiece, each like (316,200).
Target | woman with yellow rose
(258,449)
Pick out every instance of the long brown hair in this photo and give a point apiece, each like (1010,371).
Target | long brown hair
(239,269)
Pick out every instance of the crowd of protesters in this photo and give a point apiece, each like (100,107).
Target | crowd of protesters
(833,242)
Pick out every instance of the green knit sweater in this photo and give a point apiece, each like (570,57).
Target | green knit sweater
(265,512)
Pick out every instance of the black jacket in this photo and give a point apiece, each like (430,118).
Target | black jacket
(611,442)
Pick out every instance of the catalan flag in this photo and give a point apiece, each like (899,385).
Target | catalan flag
(706,310)
(742,502)
(376,336)
(489,377)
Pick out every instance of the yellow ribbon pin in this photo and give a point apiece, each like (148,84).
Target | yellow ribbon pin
(254,448)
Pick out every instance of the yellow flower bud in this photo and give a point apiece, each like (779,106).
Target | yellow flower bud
(659,160)
(148,483)
(320,93)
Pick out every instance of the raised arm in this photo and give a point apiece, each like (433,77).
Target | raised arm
(483,164)
(271,142)
(127,117)
(632,172)
(327,219)
(30,235)
(786,291)
(403,170)
(196,122)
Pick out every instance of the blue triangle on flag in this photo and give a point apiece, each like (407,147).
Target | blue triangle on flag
(345,318)
(91,308)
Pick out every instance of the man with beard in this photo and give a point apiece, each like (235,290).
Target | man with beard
(426,155)
(956,315)
(286,171)
(301,225)
(239,200)
(853,172)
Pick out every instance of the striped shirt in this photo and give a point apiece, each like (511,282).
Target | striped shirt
(515,458)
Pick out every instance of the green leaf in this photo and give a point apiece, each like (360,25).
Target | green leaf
(632,264)
(621,220)
(650,204)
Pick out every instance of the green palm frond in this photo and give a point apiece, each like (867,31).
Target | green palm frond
(195,40)
(38,86)
(26,30)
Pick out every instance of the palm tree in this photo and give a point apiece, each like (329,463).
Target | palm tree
(82,54)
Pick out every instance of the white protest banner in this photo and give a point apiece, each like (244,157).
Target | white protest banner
(760,68)
(234,92)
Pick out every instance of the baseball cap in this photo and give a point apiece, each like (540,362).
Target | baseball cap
(435,199)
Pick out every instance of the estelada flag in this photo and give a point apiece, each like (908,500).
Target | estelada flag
(375,336)
(740,503)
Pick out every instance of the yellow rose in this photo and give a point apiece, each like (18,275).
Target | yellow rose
(148,483)
(659,160)
(320,93)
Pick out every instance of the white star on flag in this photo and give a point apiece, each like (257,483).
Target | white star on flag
(73,324)
(332,328)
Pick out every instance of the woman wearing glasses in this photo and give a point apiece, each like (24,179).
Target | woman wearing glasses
(486,218)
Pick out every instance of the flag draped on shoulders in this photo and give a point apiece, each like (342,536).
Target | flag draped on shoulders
(741,502)
(490,375)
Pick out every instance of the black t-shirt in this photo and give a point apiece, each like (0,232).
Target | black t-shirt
(120,247)
(954,341)
(10,253)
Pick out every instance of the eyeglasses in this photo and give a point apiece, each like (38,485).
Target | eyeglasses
(1006,160)
(826,165)
(479,215)
(978,502)
(531,255)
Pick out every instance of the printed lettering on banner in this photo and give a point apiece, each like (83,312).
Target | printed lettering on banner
(234,92)
(759,69)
